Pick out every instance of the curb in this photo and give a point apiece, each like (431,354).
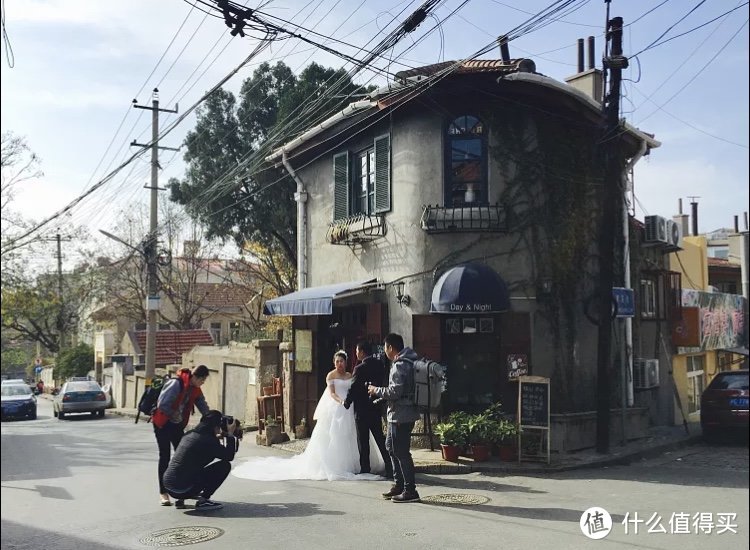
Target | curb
(510,468)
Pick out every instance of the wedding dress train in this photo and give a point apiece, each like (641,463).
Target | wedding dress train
(331,453)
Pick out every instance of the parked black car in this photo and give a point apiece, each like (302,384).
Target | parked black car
(18,401)
(724,403)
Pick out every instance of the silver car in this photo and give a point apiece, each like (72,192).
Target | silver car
(79,396)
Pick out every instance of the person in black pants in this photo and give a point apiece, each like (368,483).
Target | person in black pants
(192,472)
(368,416)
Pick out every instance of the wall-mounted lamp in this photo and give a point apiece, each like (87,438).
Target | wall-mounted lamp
(401,298)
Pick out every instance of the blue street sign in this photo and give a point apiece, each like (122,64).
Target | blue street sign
(625,301)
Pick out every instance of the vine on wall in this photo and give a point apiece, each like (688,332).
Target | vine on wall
(552,179)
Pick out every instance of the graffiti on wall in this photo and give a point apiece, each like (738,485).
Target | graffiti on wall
(721,317)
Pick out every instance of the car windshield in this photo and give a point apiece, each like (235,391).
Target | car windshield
(9,390)
(731,381)
(82,386)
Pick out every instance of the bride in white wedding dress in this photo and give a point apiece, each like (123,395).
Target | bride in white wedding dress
(332,452)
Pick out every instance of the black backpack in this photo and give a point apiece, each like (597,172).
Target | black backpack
(149,398)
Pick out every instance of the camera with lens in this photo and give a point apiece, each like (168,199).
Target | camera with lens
(228,427)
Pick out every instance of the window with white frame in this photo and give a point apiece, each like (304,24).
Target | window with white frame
(648,298)
(362,181)
(695,382)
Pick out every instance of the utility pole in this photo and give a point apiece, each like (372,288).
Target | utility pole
(150,246)
(612,198)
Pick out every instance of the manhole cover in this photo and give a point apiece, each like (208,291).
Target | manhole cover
(182,536)
(456,498)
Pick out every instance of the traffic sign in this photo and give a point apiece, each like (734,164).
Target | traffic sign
(625,301)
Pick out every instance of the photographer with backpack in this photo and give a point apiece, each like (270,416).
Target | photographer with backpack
(402,414)
(176,401)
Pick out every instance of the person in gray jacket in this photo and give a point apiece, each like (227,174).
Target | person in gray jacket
(402,414)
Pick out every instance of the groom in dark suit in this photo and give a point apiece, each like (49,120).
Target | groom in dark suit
(368,416)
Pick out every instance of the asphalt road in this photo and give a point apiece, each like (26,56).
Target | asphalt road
(84,483)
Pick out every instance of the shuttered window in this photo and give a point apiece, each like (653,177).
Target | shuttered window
(341,185)
(382,174)
(364,188)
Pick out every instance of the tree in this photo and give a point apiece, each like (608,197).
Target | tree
(76,361)
(258,207)
(32,306)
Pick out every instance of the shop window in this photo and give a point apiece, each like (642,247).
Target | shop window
(486,325)
(453,326)
(695,382)
(469,325)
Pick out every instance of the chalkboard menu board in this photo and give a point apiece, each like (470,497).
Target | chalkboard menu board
(533,402)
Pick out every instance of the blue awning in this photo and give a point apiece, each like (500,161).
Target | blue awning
(470,288)
(316,300)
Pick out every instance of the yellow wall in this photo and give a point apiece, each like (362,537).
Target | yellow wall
(692,263)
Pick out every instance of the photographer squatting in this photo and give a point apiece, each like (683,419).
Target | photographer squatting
(192,472)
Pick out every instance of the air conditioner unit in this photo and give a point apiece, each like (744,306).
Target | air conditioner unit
(674,234)
(656,229)
(645,373)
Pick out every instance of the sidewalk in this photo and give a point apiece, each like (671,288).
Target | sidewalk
(659,440)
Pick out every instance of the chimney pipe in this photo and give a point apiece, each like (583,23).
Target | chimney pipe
(591,52)
(580,55)
(679,206)
(694,208)
(504,50)
(736,224)
(745,221)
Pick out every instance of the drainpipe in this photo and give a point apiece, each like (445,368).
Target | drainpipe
(627,282)
(301,197)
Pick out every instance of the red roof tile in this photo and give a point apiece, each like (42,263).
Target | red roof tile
(171,344)
(472,66)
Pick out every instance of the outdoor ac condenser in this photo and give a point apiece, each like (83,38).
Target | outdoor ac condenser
(645,373)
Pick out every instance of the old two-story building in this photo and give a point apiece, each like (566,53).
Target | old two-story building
(459,207)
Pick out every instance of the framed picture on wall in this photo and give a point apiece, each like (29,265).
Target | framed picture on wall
(487,324)
(453,326)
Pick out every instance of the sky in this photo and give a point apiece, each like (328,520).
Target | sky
(78,65)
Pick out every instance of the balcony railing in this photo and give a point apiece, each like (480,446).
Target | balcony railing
(357,229)
(466,219)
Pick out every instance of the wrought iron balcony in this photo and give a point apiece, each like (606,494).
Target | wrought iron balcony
(357,229)
(463,219)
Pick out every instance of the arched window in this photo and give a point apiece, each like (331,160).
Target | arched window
(466,162)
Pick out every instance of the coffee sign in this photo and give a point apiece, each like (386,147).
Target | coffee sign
(518,365)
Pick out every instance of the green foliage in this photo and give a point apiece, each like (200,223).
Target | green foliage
(450,433)
(77,361)
(255,204)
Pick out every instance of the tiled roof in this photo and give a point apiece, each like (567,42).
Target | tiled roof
(722,262)
(473,66)
(171,344)
(218,296)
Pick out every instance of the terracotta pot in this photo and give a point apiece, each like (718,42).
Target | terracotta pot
(450,452)
(481,453)
(508,453)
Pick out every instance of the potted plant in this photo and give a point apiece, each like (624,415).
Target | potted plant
(273,431)
(452,440)
(506,438)
(480,431)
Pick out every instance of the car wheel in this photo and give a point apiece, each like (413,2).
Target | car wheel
(32,416)
(93,414)
(60,415)
(101,413)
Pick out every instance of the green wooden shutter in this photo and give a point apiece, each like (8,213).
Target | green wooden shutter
(340,186)
(382,174)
